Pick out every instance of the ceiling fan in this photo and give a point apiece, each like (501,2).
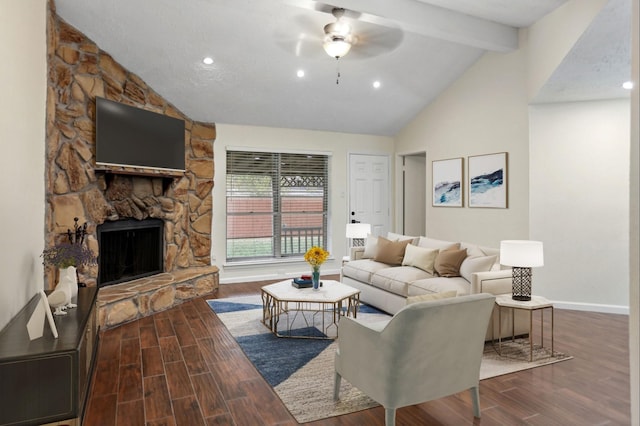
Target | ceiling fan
(361,35)
(338,38)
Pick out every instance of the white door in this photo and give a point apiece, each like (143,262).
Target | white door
(369,191)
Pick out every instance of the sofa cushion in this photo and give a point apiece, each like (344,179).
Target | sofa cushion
(390,252)
(439,285)
(362,269)
(473,250)
(420,257)
(476,264)
(399,237)
(427,242)
(431,296)
(448,262)
(396,279)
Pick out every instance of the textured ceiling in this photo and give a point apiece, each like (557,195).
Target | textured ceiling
(599,62)
(415,48)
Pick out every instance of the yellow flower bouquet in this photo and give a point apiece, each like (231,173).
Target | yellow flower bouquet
(315,257)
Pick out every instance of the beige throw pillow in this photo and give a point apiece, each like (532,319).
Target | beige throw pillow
(390,252)
(370,247)
(448,262)
(431,296)
(420,257)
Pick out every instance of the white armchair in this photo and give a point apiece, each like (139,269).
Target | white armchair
(427,350)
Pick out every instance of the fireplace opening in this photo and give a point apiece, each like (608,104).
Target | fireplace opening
(129,249)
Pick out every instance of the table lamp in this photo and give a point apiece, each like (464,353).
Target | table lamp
(521,255)
(357,232)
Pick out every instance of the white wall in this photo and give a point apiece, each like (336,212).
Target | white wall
(483,112)
(412,195)
(338,145)
(579,196)
(23,73)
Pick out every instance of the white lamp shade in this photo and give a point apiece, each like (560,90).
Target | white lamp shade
(522,253)
(358,230)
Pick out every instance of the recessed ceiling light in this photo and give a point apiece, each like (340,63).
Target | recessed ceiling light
(376,84)
(627,85)
(208,60)
(300,73)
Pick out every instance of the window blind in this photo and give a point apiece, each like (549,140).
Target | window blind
(276,204)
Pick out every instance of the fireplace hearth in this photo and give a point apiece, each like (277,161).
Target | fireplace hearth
(130,249)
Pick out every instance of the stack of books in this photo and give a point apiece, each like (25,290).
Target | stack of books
(303,282)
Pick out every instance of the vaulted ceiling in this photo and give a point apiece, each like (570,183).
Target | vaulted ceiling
(414,48)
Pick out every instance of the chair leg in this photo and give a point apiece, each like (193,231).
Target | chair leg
(475,398)
(390,416)
(336,386)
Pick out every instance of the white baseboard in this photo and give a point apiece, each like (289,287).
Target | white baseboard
(592,307)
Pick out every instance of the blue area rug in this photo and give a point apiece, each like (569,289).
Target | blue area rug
(277,358)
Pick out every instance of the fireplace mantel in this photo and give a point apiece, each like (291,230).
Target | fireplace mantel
(168,177)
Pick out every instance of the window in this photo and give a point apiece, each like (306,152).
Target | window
(276,204)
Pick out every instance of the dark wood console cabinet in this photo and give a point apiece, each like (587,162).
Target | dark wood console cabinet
(47,379)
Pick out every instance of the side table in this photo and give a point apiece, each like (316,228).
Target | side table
(537,303)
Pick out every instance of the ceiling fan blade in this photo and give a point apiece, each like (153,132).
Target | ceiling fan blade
(372,40)
(302,36)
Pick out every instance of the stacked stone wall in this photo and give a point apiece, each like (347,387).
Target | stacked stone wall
(79,71)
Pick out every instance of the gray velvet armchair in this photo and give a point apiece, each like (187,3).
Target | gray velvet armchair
(427,350)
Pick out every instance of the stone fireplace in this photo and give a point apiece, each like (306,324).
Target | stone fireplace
(79,71)
(129,249)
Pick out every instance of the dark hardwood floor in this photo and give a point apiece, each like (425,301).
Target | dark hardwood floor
(182,367)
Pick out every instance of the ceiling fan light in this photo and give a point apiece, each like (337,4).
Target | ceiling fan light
(336,47)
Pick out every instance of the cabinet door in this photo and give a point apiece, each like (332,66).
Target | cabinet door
(37,390)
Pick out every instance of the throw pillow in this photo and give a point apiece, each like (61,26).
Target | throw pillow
(448,262)
(419,257)
(370,247)
(431,296)
(390,252)
(476,264)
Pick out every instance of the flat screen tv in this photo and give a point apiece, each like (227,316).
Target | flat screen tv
(134,137)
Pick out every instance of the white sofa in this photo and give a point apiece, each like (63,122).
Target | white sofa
(386,274)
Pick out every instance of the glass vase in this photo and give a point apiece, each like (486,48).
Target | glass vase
(315,279)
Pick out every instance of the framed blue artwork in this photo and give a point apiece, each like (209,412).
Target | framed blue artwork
(447,182)
(488,180)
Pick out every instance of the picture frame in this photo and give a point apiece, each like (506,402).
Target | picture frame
(488,180)
(35,325)
(446,182)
